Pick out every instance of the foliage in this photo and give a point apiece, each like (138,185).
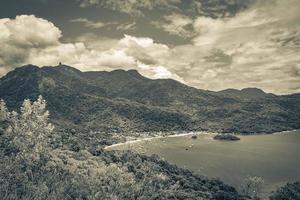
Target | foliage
(28,131)
(24,142)
(3,111)
(251,186)
(116,102)
(228,137)
(123,101)
(4,115)
(32,169)
(291,191)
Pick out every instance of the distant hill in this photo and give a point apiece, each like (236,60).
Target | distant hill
(126,101)
(246,93)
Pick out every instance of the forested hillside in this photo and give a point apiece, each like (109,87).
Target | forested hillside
(34,165)
(122,101)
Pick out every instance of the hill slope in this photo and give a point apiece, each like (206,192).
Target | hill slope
(126,101)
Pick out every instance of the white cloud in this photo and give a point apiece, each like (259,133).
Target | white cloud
(86,3)
(79,56)
(143,48)
(28,31)
(36,46)
(126,26)
(18,36)
(257,48)
(89,23)
(99,24)
(96,41)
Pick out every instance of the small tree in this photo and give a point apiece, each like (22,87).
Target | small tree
(4,115)
(251,186)
(23,141)
(4,121)
(3,111)
(30,130)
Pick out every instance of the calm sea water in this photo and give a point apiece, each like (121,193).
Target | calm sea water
(275,158)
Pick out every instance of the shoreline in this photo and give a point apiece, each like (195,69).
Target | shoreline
(158,137)
(183,135)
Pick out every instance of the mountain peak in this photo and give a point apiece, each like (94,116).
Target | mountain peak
(135,73)
(253,90)
(246,92)
(26,70)
(129,73)
(28,67)
(67,68)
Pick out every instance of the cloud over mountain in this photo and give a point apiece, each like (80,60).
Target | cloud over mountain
(261,44)
(252,44)
(33,45)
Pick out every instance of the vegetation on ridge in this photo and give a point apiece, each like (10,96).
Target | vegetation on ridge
(124,101)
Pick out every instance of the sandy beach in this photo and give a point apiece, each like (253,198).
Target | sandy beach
(158,137)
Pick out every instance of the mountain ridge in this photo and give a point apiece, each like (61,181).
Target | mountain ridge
(127,101)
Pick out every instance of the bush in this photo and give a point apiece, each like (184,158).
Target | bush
(291,191)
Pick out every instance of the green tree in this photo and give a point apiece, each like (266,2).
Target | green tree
(23,142)
(251,186)
(4,122)
(4,115)
(30,129)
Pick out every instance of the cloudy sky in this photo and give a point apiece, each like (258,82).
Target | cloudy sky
(208,44)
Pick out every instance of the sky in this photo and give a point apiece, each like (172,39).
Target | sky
(207,44)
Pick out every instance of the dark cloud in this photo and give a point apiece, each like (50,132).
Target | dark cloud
(287,38)
(212,8)
(135,8)
(222,8)
(100,24)
(219,58)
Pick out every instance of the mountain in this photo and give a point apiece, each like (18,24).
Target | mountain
(245,93)
(126,101)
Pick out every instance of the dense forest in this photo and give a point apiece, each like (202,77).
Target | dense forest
(125,101)
(36,165)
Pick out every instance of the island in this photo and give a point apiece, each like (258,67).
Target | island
(194,137)
(227,137)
